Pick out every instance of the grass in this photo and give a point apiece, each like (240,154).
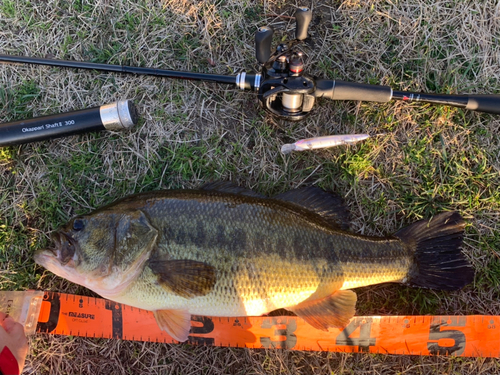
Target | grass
(421,160)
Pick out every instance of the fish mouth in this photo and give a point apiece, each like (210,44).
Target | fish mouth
(63,250)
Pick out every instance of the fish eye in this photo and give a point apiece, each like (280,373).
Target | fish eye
(78,224)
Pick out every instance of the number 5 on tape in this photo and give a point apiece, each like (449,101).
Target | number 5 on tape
(471,336)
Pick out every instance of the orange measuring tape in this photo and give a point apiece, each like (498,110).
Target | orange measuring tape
(468,336)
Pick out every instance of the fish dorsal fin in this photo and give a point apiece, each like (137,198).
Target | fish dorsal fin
(334,310)
(184,277)
(328,205)
(230,187)
(176,323)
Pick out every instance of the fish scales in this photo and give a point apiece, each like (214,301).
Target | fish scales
(228,252)
(268,254)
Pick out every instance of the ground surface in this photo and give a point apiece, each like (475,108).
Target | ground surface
(422,159)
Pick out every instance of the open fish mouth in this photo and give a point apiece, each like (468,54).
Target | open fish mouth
(45,257)
(63,250)
(59,240)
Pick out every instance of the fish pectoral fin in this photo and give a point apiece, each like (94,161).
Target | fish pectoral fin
(176,323)
(184,277)
(333,311)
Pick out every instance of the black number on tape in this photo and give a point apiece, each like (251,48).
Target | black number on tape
(289,339)
(363,341)
(117,318)
(207,327)
(436,334)
(55,307)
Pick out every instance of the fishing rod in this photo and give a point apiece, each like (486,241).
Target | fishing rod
(283,87)
(115,116)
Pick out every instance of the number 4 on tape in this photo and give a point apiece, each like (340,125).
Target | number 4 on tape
(470,336)
(363,340)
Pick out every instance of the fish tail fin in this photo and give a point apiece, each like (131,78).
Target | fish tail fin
(438,260)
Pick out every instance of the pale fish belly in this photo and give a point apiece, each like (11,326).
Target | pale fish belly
(245,306)
(147,294)
(260,287)
(249,298)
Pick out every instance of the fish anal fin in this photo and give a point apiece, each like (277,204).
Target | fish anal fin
(334,310)
(184,277)
(176,323)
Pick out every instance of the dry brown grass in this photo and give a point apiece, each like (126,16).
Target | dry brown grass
(429,158)
(63,355)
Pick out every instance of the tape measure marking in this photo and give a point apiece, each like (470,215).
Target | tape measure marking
(471,336)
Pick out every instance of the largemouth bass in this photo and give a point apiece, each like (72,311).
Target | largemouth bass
(227,251)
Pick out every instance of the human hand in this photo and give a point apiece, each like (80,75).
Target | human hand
(12,335)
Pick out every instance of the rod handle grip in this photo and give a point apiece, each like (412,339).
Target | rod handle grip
(484,103)
(341,90)
(303,17)
(263,39)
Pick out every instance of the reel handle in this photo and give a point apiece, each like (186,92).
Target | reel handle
(303,17)
(263,39)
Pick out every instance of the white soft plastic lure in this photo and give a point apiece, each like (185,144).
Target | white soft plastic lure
(323,142)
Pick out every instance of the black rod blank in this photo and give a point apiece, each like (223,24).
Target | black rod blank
(217,78)
(334,90)
(473,102)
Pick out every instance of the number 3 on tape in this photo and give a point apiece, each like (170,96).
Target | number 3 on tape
(284,328)
(472,336)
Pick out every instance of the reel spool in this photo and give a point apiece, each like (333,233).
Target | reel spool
(285,90)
